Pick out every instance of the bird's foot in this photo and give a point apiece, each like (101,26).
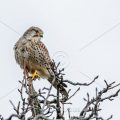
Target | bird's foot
(35,75)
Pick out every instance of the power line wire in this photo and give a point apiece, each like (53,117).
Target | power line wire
(100,36)
(7,94)
(8,26)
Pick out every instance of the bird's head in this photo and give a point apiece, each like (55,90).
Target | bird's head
(34,32)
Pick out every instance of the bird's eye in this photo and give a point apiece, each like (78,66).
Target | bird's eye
(33,33)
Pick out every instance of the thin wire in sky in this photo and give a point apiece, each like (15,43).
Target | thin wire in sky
(12,29)
(7,94)
(99,37)
(8,26)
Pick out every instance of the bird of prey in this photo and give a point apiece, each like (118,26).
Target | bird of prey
(32,55)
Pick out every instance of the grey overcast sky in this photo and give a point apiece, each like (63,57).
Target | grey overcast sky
(69,26)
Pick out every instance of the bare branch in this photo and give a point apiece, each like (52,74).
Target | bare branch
(81,84)
(33,105)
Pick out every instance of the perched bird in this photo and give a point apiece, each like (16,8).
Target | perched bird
(32,56)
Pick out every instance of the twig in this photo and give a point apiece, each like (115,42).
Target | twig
(81,84)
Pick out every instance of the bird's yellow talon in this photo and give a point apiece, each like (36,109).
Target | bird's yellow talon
(35,75)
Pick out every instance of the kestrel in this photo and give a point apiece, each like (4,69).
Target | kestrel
(31,54)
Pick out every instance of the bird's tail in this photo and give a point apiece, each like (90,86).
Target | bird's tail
(61,86)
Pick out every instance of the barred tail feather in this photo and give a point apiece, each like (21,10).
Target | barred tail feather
(62,86)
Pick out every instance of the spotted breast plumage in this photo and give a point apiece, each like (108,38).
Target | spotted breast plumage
(31,54)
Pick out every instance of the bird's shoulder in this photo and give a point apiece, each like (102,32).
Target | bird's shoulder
(21,42)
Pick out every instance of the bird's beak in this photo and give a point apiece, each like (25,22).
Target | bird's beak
(41,35)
